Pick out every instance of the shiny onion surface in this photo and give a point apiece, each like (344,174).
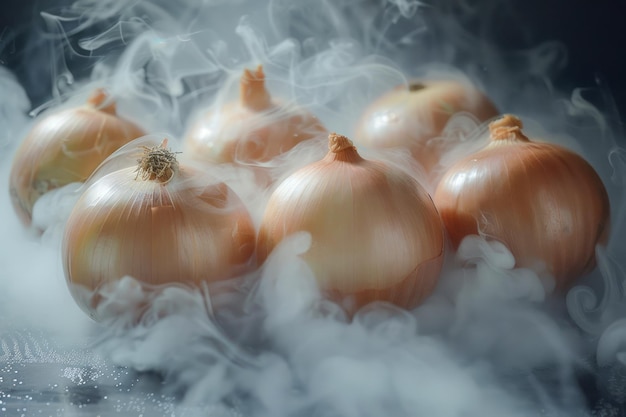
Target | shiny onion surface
(413,116)
(376,234)
(253,129)
(543,201)
(160,222)
(65,147)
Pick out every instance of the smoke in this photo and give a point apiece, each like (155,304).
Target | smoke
(493,340)
(300,355)
(14,110)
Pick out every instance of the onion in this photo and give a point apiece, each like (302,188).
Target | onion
(159,222)
(254,129)
(412,116)
(544,202)
(66,147)
(376,234)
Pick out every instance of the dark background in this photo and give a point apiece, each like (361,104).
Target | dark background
(592,30)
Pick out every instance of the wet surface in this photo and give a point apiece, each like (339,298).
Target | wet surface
(38,389)
(55,389)
(38,379)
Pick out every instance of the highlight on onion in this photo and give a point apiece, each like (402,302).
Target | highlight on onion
(254,129)
(543,201)
(158,221)
(65,147)
(413,116)
(376,234)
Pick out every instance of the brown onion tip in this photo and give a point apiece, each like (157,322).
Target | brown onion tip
(157,163)
(252,92)
(98,98)
(416,86)
(338,143)
(507,127)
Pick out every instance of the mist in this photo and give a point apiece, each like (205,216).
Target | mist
(492,340)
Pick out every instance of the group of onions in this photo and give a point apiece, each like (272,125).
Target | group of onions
(376,233)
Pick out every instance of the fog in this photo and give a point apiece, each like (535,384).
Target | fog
(492,340)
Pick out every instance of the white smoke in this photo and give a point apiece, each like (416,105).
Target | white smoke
(491,341)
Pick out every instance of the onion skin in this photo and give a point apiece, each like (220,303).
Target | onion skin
(66,147)
(376,234)
(179,230)
(411,115)
(544,202)
(254,129)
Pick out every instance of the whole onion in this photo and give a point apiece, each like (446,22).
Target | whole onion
(376,234)
(414,116)
(157,221)
(65,147)
(254,129)
(543,201)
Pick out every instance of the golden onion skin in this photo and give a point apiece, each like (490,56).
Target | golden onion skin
(183,231)
(544,202)
(253,129)
(66,147)
(411,115)
(376,235)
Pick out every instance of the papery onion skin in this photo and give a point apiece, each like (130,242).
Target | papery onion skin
(66,147)
(376,234)
(254,129)
(180,230)
(410,116)
(544,202)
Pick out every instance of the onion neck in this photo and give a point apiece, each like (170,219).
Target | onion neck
(415,86)
(100,100)
(508,127)
(252,91)
(342,149)
(157,164)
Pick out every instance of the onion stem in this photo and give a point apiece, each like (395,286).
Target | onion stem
(338,143)
(416,86)
(99,100)
(342,149)
(508,127)
(252,91)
